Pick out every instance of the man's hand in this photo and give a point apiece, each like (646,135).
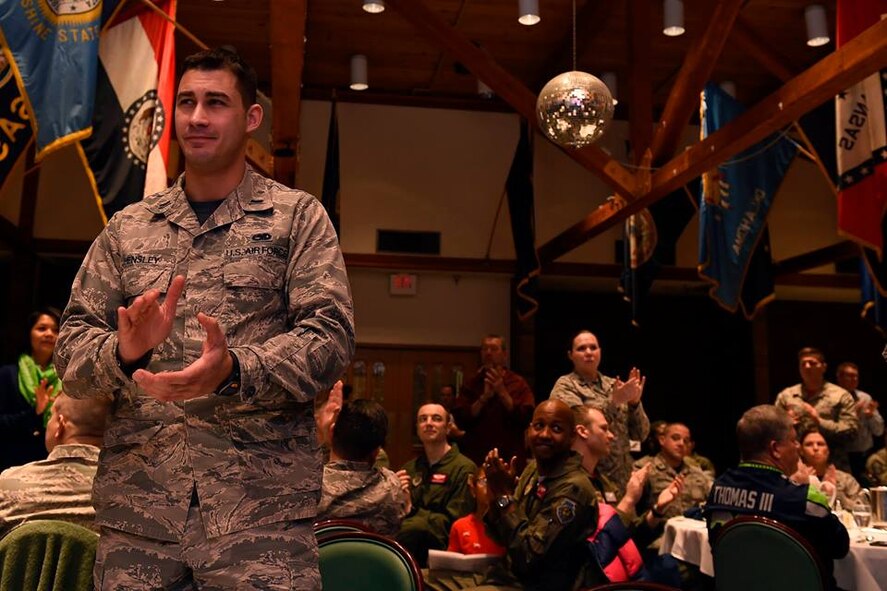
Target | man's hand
(802,474)
(326,415)
(811,410)
(670,493)
(500,476)
(496,381)
(405,488)
(146,322)
(201,378)
(634,488)
(630,391)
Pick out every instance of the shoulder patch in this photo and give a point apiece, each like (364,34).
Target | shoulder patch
(565,511)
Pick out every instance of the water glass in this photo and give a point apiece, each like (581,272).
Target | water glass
(862,516)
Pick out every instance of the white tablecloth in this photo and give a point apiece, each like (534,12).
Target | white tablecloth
(861,570)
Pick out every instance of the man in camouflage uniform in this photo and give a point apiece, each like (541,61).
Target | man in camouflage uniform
(439,486)
(214,312)
(545,521)
(619,401)
(876,466)
(822,403)
(352,487)
(59,487)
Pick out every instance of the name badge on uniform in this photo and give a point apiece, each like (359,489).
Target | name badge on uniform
(438,478)
(610,496)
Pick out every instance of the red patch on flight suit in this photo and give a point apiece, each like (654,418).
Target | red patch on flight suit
(438,478)
(540,491)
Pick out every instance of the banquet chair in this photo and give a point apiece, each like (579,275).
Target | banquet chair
(328,527)
(366,561)
(47,555)
(633,586)
(752,552)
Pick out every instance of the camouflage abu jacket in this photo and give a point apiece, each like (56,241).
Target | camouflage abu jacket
(267,266)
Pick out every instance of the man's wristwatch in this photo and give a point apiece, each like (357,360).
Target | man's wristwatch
(504,501)
(231,386)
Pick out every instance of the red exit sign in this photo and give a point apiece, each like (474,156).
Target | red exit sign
(403,284)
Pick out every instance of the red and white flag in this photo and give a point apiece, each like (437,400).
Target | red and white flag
(861,137)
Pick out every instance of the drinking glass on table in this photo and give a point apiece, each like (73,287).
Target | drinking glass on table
(862,515)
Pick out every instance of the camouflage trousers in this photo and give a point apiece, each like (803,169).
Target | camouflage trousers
(279,556)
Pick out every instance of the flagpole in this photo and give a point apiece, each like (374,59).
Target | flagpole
(816,159)
(176,24)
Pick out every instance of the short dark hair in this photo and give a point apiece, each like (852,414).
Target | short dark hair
(360,429)
(759,426)
(844,366)
(807,429)
(33,317)
(498,337)
(811,352)
(88,416)
(226,58)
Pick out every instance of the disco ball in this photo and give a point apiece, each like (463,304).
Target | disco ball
(574,109)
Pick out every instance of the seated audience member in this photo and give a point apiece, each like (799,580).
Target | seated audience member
(837,485)
(672,461)
(545,521)
(705,464)
(493,406)
(611,543)
(439,486)
(468,534)
(59,487)
(352,487)
(650,445)
(768,448)
(871,423)
(821,403)
(876,466)
(620,402)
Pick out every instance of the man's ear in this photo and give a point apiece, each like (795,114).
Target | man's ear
(62,423)
(254,116)
(582,431)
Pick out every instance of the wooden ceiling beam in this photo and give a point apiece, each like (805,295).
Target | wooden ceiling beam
(506,86)
(837,71)
(839,251)
(695,72)
(750,44)
(287,30)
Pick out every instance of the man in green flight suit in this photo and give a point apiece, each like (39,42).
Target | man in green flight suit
(544,522)
(438,486)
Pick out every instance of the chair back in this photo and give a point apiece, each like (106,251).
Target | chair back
(366,561)
(48,555)
(752,552)
(633,586)
(335,526)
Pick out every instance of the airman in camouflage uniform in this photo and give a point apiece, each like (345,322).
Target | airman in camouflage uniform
(439,486)
(665,466)
(211,469)
(586,386)
(353,487)
(59,487)
(876,467)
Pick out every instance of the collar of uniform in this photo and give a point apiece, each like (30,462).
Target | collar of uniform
(572,462)
(74,450)
(250,195)
(661,464)
(444,460)
(349,466)
(761,466)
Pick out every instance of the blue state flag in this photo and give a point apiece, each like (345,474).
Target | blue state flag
(736,198)
(52,46)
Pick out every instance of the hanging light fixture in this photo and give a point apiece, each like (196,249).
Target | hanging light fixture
(374,6)
(673,17)
(817,26)
(609,78)
(483,90)
(574,108)
(359,72)
(528,12)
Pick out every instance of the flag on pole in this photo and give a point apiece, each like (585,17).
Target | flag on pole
(521,206)
(15,122)
(329,195)
(52,47)
(736,198)
(127,154)
(861,138)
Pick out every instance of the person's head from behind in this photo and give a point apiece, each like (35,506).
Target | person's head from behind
(42,334)
(765,433)
(216,109)
(431,424)
(77,420)
(593,435)
(551,432)
(359,431)
(814,449)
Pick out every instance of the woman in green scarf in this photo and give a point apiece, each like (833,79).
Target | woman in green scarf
(27,389)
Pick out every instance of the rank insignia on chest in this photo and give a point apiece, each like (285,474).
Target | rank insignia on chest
(566,511)
(540,491)
(438,478)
